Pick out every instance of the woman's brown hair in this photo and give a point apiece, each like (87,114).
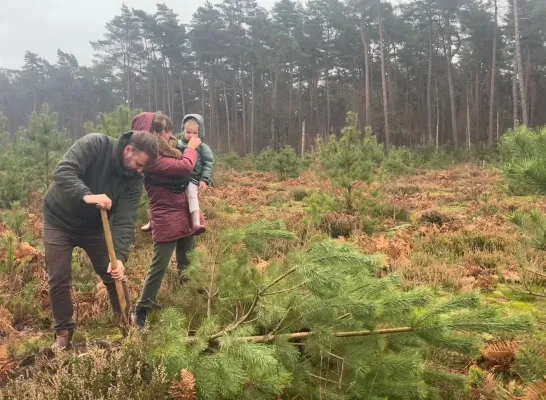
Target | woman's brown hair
(161,122)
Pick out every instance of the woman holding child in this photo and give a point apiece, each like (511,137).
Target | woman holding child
(166,182)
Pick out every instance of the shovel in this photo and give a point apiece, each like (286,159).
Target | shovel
(122,295)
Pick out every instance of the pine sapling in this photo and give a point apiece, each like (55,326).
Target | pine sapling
(351,159)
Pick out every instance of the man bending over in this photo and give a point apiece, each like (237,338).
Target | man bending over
(97,171)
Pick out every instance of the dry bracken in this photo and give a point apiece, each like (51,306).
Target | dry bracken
(183,388)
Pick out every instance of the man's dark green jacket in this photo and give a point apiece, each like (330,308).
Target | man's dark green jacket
(93,165)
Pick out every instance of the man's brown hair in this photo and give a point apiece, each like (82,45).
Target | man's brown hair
(146,142)
(161,122)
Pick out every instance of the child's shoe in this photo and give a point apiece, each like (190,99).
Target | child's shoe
(196,223)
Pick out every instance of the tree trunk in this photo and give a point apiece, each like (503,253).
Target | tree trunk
(211,97)
(243,101)
(156,101)
(252,109)
(532,103)
(497,123)
(520,67)
(289,119)
(384,84)
(169,108)
(515,103)
(234,108)
(227,118)
(172,96)
(468,121)
(303,138)
(327,82)
(128,72)
(493,73)
(275,77)
(478,131)
(311,95)
(451,88)
(165,90)
(437,116)
(527,79)
(366,75)
(182,98)
(149,87)
(429,84)
(203,91)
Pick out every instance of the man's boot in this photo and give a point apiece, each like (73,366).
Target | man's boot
(63,340)
(116,306)
(196,223)
(140,317)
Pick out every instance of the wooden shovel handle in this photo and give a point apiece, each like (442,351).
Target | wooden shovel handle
(114,263)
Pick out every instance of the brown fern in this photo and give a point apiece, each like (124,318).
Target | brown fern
(184,387)
(500,353)
(536,391)
(488,390)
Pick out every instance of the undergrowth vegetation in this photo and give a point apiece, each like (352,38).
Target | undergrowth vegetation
(349,273)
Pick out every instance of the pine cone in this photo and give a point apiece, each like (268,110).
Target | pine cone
(183,388)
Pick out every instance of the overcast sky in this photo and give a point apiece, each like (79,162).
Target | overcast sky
(43,26)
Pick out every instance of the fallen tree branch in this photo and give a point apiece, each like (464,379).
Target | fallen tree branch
(238,323)
(305,335)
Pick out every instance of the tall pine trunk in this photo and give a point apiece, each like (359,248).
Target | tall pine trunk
(327,81)
(477,108)
(468,120)
(211,97)
(227,118)
(203,91)
(243,101)
(366,75)
(515,98)
(437,116)
(235,120)
(149,87)
(449,58)
(289,105)
(252,109)
(182,98)
(429,84)
(493,73)
(275,78)
(520,67)
(384,84)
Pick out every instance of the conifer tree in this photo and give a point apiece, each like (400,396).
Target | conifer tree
(15,170)
(114,123)
(316,324)
(45,142)
(350,159)
(287,164)
(524,166)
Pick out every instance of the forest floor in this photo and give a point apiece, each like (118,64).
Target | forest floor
(446,229)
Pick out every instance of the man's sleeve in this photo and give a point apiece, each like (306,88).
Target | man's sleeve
(207,158)
(124,219)
(76,160)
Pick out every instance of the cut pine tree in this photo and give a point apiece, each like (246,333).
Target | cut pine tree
(359,330)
